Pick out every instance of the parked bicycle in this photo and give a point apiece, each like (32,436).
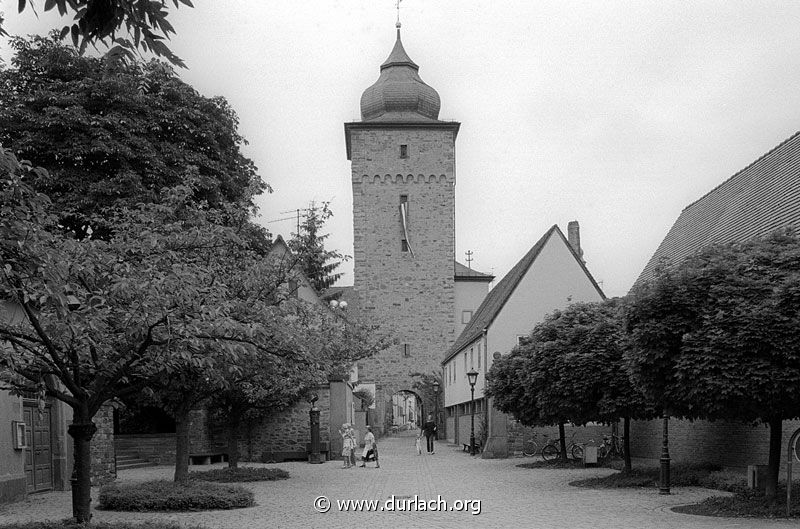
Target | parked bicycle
(529,445)
(552,449)
(609,448)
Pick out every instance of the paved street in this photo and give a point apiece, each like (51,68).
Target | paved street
(509,497)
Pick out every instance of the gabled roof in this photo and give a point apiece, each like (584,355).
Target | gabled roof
(280,250)
(500,294)
(463,273)
(759,199)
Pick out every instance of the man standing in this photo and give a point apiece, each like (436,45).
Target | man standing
(429,429)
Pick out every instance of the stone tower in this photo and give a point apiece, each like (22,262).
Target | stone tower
(403,177)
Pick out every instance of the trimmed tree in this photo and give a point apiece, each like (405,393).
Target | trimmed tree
(570,370)
(715,337)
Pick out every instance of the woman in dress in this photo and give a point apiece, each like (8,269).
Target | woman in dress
(370,449)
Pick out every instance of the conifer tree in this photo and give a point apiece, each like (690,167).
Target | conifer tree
(318,263)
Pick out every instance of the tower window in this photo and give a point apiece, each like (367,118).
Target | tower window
(404,151)
(403,245)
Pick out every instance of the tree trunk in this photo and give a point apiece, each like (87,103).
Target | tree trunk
(233,440)
(774,464)
(626,443)
(562,441)
(182,445)
(82,430)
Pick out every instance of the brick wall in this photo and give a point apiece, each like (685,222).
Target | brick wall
(411,296)
(729,444)
(518,434)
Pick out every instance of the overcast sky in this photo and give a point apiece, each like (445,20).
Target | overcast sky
(615,114)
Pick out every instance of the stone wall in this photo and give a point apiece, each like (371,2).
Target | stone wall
(411,295)
(104,465)
(278,437)
(157,448)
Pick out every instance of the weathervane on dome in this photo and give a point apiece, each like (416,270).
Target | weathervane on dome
(398,14)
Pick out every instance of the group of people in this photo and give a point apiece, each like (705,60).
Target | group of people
(370,452)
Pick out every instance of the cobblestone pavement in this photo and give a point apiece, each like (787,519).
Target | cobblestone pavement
(509,497)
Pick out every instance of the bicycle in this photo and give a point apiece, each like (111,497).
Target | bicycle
(529,446)
(552,448)
(612,447)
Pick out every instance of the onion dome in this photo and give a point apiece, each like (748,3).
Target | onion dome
(399,94)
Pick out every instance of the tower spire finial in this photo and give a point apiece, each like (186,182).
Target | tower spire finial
(397,25)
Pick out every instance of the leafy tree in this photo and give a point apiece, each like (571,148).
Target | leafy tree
(312,345)
(100,21)
(715,337)
(116,135)
(365,396)
(102,317)
(317,263)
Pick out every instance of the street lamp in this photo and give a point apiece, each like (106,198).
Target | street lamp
(314,457)
(472,375)
(436,406)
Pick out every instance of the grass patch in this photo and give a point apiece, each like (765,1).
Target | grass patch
(170,496)
(241,474)
(705,475)
(745,504)
(72,524)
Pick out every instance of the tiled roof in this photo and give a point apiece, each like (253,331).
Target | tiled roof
(759,199)
(497,297)
(463,273)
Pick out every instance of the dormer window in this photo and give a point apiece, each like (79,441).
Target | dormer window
(404,151)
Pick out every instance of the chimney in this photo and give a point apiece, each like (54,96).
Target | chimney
(574,238)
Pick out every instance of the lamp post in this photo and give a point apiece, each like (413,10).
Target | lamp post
(436,406)
(663,487)
(314,457)
(472,375)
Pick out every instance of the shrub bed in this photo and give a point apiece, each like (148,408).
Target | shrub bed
(705,475)
(745,504)
(72,524)
(171,496)
(241,474)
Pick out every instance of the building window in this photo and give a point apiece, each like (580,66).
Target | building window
(403,245)
(293,288)
(471,357)
(404,151)
(521,339)
(465,363)
(479,357)
(466,315)
(406,350)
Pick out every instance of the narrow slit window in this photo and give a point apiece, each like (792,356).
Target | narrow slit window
(404,151)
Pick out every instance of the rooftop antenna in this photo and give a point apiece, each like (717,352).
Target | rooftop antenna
(469,258)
